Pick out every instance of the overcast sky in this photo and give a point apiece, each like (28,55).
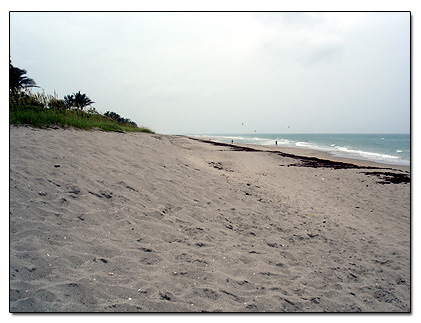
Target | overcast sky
(210,73)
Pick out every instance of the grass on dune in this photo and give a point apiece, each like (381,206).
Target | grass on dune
(38,116)
(44,110)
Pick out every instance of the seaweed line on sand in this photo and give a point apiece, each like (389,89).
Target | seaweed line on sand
(314,162)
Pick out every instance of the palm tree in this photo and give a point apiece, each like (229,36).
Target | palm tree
(18,80)
(81,100)
(68,101)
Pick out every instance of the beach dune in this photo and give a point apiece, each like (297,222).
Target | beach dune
(112,222)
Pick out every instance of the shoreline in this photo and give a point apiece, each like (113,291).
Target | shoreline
(306,152)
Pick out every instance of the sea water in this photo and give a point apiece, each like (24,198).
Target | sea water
(382,148)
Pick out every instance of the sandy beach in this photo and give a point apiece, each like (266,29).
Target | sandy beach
(135,222)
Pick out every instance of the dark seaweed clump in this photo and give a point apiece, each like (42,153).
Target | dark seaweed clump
(390,178)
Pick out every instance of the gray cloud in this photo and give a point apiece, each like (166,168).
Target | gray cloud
(325,53)
(209,72)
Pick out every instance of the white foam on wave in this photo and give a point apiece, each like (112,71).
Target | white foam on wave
(372,156)
(355,153)
(306,145)
(366,153)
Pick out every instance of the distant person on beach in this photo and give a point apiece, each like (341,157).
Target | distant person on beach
(276,142)
(232,141)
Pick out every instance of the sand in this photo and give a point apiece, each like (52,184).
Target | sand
(111,222)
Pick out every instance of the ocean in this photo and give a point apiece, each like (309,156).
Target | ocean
(382,148)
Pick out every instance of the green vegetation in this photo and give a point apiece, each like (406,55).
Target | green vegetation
(43,110)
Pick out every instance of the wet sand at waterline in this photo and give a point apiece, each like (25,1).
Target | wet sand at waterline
(112,222)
